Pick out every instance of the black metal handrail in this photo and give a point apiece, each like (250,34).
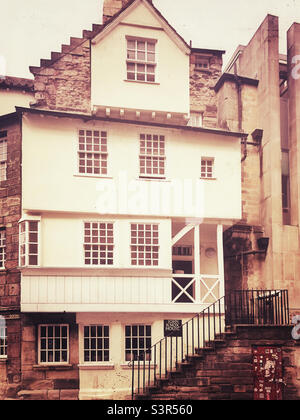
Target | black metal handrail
(255,307)
(164,356)
(259,307)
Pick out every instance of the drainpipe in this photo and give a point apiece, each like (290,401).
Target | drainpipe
(240,112)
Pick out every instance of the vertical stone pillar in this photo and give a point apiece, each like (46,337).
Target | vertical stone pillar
(293,48)
(111,7)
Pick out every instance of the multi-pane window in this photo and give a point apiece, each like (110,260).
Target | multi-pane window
(207,168)
(96,343)
(201,63)
(152,155)
(141,60)
(2,248)
(3,340)
(3,155)
(53,343)
(196,119)
(98,243)
(92,152)
(137,342)
(144,244)
(29,243)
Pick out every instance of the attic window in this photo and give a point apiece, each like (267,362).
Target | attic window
(140,63)
(201,63)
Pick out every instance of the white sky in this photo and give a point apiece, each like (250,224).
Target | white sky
(31,29)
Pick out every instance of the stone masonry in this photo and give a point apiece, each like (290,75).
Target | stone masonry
(224,371)
(10,205)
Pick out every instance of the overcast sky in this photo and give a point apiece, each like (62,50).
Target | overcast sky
(31,29)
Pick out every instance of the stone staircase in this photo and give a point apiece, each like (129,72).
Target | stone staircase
(223,371)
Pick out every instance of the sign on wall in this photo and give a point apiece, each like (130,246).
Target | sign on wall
(268,375)
(173,327)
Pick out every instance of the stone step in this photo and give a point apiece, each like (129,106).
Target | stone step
(48,394)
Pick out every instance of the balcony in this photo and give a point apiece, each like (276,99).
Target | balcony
(175,293)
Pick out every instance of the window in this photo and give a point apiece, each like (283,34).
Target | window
(3,340)
(285,183)
(96,343)
(92,153)
(207,167)
(2,248)
(3,155)
(152,155)
(53,343)
(201,63)
(141,60)
(29,243)
(196,119)
(144,244)
(182,250)
(98,243)
(137,342)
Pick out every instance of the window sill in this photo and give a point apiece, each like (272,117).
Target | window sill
(97,366)
(141,81)
(152,178)
(128,365)
(207,71)
(93,176)
(208,179)
(3,359)
(58,366)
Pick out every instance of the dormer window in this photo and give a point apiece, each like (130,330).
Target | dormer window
(140,62)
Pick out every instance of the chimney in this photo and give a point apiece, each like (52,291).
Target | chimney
(111,7)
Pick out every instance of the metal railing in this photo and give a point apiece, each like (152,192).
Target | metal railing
(164,356)
(257,307)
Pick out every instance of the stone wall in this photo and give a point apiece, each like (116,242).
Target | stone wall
(10,213)
(225,370)
(202,83)
(65,84)
(48,382)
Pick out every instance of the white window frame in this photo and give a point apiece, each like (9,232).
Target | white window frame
(96,349)
(24,241)
(3,155)
(67,350)
(196,119)
(105,244)
(139,349)
(135,244)
(156,154)
(202,63)
(204,174)
(3,341)
(82,148)
(135,61)
(2,248)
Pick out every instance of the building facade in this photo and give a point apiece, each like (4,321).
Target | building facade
(132,196)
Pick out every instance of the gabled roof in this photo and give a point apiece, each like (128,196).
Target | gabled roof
(99,29)
(114,20)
